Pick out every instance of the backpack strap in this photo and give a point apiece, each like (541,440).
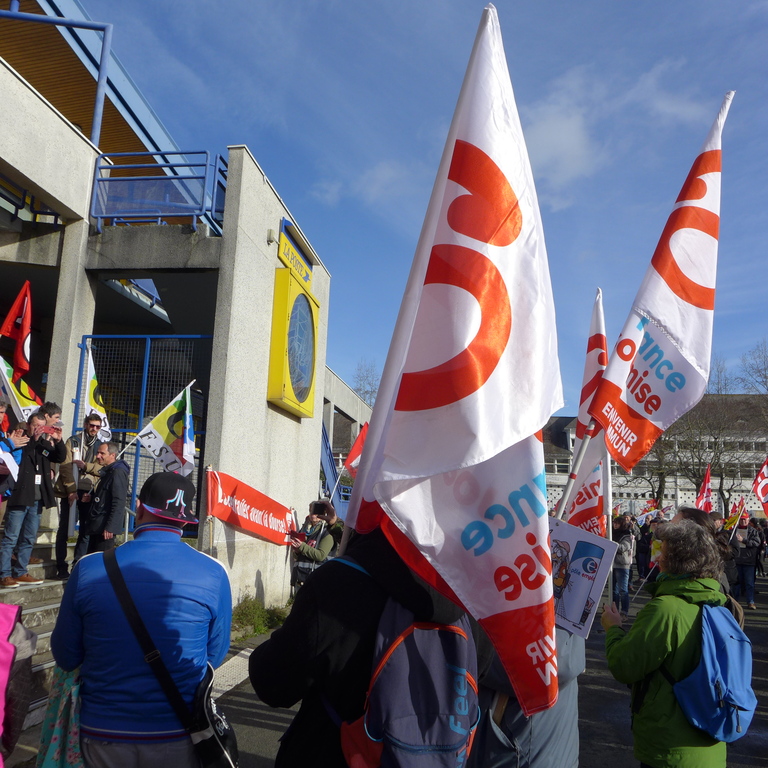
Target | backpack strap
(347,560)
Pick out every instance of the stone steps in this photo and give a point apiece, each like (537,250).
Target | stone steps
(40,606)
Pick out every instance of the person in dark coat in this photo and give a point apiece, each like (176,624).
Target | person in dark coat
(322,654)
(107,510)
(32,493)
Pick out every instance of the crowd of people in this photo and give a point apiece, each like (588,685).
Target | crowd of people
(321,656)
(83,477)
(742,547)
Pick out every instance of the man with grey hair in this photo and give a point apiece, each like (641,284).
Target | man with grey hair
(104,517)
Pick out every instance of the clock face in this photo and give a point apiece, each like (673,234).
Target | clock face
(301,348)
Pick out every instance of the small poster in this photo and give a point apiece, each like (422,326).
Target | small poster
(581,563)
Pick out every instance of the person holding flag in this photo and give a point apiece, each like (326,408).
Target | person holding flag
(451,488)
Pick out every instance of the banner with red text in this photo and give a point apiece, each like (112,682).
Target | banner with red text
(471,376)
(247,509)
(760,486)
(660,366)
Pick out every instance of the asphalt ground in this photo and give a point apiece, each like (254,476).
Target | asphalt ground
(604,728)
(606,738)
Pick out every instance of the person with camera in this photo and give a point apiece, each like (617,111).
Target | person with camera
(32,493)
(315,541)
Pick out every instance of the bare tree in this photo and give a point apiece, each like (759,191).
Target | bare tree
(721,380)
(365,380)
(753,372)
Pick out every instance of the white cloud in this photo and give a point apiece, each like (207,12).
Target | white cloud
(327,192)
(560,133)
(653,95)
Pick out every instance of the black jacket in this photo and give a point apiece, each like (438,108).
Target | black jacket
(325,647)
(36,459)
(108,501)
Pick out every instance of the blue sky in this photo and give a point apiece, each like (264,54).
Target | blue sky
(346,106)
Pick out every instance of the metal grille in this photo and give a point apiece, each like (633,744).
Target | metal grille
(137,377)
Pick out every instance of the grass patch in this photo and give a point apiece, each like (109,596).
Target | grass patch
(251,616)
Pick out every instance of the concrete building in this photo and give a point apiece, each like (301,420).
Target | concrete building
(229,264)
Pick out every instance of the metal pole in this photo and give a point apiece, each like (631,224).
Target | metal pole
(101,84)
(575,467)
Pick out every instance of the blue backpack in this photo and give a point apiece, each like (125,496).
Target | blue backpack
(421,708)
(717,697)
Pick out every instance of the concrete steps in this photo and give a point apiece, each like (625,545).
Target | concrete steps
(39,609)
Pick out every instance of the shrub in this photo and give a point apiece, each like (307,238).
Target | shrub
(250,615)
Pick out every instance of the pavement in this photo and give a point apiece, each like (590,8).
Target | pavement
(606,738)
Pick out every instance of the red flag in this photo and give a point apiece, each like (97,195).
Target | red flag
(17,325)
(660,366)
(353,458)
(584,506)
(704,499)
(760,486)
(471,376)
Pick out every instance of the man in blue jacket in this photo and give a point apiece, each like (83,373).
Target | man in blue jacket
(184,599)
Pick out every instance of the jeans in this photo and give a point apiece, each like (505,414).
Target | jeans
(21,524)
(621,588)
(61,536)
(746,582)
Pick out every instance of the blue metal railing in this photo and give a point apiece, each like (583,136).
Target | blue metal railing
(19,199)
(106,47)
(341,495)
(159,188)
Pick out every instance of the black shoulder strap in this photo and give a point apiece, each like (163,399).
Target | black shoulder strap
(151,654)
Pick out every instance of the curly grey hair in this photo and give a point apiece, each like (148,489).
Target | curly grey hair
(690,550)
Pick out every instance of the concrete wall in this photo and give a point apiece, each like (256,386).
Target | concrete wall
(41,150)
(264,446)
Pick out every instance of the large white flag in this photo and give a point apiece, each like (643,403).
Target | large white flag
(471,375)
(660,366)
(585,504)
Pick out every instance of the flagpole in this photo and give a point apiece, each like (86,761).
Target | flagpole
(575,467)
(608,495)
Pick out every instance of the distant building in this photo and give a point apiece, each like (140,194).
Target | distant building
(728,431)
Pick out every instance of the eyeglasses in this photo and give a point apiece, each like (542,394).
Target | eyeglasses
(94,426)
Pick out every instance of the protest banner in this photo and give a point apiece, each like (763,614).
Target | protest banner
(452,469)
(581,564)
(170,436)
(18,326)
(660,366)
(247,509)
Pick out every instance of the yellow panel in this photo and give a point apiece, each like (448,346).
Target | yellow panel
(293,259)
(293,350)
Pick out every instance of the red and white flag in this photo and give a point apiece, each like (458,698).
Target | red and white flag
(585,506)
(704,499)
(760,486)
(660,366)
(18,325)
(355,452)
(471,376)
